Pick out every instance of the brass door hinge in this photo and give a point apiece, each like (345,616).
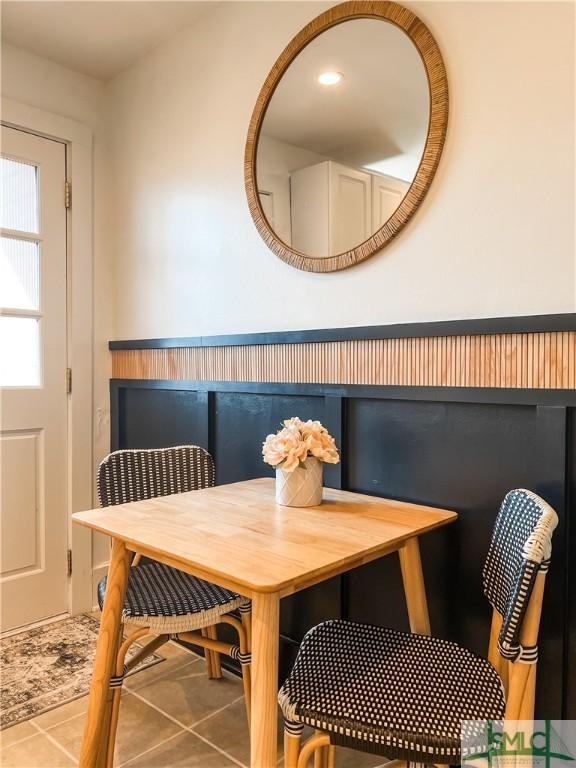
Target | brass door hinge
(69,559)
(68,380)
(68,194)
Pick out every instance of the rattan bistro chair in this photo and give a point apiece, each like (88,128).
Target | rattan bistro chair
(161,600)
(404,695)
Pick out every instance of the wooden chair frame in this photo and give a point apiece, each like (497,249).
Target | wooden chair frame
(206,638)
(518,679)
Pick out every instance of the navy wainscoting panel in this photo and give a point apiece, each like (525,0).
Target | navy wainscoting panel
(241,423)
(463,456)
(159,418)
(461,449)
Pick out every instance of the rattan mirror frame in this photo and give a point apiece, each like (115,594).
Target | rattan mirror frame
(426,45)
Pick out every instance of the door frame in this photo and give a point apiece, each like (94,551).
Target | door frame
(79,289)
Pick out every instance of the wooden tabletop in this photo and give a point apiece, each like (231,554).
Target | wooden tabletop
(237,536)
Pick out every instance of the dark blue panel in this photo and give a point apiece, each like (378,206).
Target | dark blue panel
(465,457)
(242,422)
(159,418)
(462,449)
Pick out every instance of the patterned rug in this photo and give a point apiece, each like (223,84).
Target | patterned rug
(46,667)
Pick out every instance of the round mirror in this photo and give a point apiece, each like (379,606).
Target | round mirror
(346,135)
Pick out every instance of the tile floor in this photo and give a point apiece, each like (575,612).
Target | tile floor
(172,716)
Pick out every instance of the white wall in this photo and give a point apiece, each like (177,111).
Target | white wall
(41,83)
(494,237)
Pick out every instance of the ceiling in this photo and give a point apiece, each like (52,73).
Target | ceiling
(378,112)
(96,37)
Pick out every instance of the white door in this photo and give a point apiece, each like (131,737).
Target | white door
(33,562)
(350,208)
(387,194)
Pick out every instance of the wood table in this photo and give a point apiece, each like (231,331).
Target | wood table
(238,537)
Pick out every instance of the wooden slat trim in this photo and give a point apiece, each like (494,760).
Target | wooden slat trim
(530,360)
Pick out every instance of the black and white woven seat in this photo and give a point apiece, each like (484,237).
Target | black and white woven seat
(405,696)
(168,601)
(397,694)
(160,599)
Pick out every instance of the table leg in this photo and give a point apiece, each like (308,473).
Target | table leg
(414,589)
(264,719)
(92,753)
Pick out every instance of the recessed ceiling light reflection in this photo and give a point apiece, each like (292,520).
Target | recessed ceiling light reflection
(330,78)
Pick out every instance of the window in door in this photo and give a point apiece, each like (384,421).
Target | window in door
(19,275)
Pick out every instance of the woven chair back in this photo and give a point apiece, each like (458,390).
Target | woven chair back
(520,548)
(135,475)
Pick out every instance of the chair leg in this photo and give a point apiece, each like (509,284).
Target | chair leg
(246,616)
(527,706)
(116,695)
(212,658)
(208,657)
(292,743)
(216,665)
(245,666)
(324,757)
(244,658)
(315,744)
(320,755)
(331,757)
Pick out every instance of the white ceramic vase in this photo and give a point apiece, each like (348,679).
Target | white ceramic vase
(302,487)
